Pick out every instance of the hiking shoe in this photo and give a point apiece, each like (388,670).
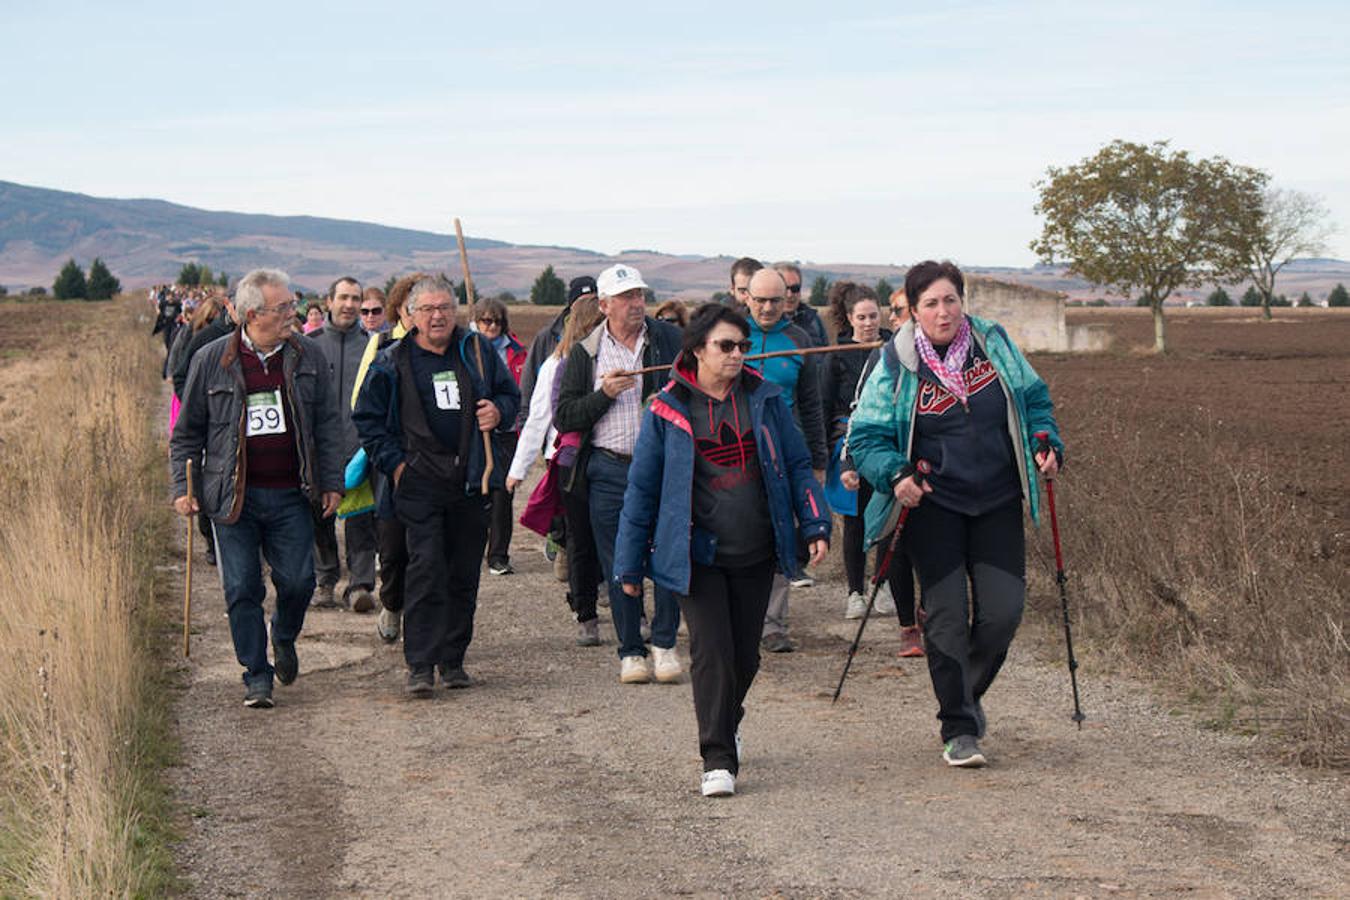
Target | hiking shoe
(421,681)
(718,783)
(324,598)
(885,603)
(963,750)
(911,642)
(454,678)
(668,668)
(855,607)
(258,695)
(388,625)
(501,567)
(634,670)
(362,600)
(803,581)
(645,629)
(588,633)
(285,662)
(778,643)
(560,568)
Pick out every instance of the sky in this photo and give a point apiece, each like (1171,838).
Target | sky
(862,132)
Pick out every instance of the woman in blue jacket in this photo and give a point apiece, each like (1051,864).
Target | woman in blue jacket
(955,391)
(718,457)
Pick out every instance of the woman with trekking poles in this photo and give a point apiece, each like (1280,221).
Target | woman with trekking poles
(718,448)
(857,319)
(955,391)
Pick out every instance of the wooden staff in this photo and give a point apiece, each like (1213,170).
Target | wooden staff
(187,578)
(478,349)
(807,351)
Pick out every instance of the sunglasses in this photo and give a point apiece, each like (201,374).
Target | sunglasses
(726,345)
(794,288)
(488,320)
(372,312)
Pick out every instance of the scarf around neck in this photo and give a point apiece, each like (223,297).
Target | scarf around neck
(950,371)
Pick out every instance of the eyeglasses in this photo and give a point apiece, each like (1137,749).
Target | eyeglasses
(441,309)
(767,301)
(280,308)
(373,312)
(726,345)
(488,320)
(794,288)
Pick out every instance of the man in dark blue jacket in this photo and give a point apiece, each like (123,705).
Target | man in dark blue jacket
(425,402)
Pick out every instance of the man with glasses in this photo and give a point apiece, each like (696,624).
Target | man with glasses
(260,415)
(425,402)
(799,313)
(770,330)
(343,337)
(605,407)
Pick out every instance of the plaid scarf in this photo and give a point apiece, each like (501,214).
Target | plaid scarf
(951,371)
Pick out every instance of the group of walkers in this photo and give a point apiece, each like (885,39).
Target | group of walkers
(670,459)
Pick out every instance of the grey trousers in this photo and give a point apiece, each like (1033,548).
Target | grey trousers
(361,543)
(776,619)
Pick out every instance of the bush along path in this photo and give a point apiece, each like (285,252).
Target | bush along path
(551,778)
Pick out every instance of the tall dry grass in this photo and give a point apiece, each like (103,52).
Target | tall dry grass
(81,510)
(1200,562)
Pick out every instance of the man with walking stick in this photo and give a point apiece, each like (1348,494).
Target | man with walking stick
(420,414)
(260,413)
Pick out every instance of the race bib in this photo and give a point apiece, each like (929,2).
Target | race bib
(446,388)
(264,414)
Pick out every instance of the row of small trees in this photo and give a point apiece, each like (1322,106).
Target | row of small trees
(1252,297)
(1145,220)
(199,275)
(72,284)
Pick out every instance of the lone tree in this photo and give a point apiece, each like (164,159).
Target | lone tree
(102,284)
(1251,297)
(190,275)
(820,291)
(1220,297)
(1145,220)
(1339,296)
(70,283)
(1291,224)
(548,289)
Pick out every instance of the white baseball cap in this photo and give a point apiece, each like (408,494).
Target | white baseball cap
(617,279)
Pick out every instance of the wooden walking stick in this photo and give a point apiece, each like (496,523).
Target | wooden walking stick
(805,351)
(187,577)
(478,350)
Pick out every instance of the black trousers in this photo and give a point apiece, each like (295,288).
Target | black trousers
(583,561)
(393,542)
(725,613)
(445,532)
(900,578)
(972,574)
(499,531)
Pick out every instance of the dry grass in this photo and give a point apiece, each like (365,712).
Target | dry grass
(80,517)
(1203,565)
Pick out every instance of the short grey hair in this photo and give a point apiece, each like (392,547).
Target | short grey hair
(431,284)
(784,267)
(248,294)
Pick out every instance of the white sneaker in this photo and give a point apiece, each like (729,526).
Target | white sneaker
(718,783)
(388,625)
(634,670)
(885,603)
(668,668)
(856,606)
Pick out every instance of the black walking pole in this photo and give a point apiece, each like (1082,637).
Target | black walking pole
(921,469)
(1043,446)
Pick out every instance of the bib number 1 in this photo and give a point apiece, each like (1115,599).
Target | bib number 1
(264,414)
(446,388)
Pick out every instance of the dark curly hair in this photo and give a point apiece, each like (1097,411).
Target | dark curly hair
(843,296)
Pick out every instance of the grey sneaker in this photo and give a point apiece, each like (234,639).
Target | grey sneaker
(421,681)
(501,567)
(963,750)
(258,695)
(324,598)
(778,643)
(588,633)
(388,625)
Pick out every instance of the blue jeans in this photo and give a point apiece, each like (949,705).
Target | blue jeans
(276,523)
(608,479)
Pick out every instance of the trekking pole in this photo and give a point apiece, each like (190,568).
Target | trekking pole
(1043,446)
(187,578)
(478,350)
(921,469)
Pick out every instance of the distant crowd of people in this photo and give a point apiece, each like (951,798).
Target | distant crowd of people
(670,459)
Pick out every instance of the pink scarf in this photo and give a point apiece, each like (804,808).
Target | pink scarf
(951,371)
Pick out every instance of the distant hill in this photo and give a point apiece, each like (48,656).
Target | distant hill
(147,241)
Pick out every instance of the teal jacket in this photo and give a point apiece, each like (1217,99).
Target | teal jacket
(881,430)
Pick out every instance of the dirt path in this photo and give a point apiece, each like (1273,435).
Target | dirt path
(552,779)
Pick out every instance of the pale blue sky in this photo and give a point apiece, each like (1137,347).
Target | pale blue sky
(841,132)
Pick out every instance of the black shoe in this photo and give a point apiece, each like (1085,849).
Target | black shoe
(455,678)
(421,681)
(778,643)
(501,567)
(210,554)
(259,695)
(284,660)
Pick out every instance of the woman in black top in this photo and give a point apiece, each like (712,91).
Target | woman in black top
(857,319)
